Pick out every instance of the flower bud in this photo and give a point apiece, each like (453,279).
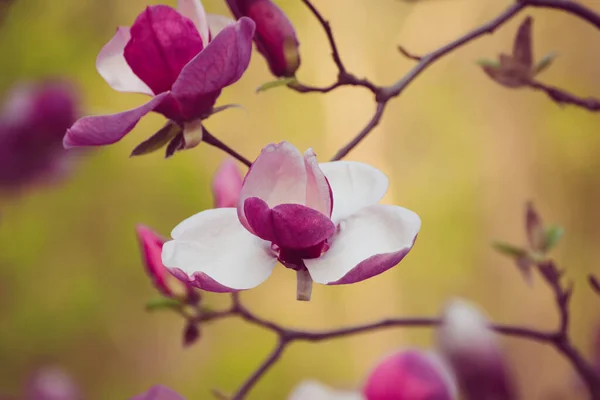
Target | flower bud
(410,375)
(151,246)
(470,347)
(227,185)
(536,232)
(33,121)
(51,383)
(275,35)
(158,393)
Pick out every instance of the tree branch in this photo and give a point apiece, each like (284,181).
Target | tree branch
(362,134)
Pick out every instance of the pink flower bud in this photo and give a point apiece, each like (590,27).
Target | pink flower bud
(33,120)
(410,375)
(471,349)
(52,383)
(151,246)
(227,185)
(275,36)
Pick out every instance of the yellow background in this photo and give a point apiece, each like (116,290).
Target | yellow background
(463,152)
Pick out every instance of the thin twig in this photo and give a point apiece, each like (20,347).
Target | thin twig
(562,97)
(408,54)
(363,133)
(213,141)
(569,6)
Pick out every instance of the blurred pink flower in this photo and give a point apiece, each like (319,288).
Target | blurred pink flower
(287,213)
(471,349)
(33,120)
(180,58)
(275,35)
(151,246)
(227,184)
(51,383)
(158,393)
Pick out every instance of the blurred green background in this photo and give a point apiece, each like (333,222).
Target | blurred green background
(463,152)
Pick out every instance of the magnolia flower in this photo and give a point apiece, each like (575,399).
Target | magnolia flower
(227,184)
(158,393)
(151,246)
(470,347)
(275,35)
(321,220)
(33,120)
(405,375)
(51,383)
(183,59)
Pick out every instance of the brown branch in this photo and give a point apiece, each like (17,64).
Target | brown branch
(363,133)
(213,141)
(408,54)
(569,6)
(562,97)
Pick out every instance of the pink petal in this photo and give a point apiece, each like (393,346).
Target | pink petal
(213,244)
(111,65)
(471,348)
(158,393)
(220,64)
(151,245)
(318,192)
(410,375)
(217,23)
(194,10)
(107,129)
(290,226)
(278,176)
(162,43)
(354,185)
(313,390)
(366,244)
(227,184)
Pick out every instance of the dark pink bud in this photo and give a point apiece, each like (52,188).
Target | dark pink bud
(151,246)
(410,375)
(52,383)
(275,36)
(536,233)
(158,393)
(191,334)
(476,358)
(33,120)
(227,185)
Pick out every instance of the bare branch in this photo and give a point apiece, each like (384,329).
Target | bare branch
(408,55)
(362,134)
(562,97)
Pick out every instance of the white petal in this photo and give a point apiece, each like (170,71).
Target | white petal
(354,185)
(217,23)
(385,231)
(194,10)
(313,390)
(214,242)
(111,65)
(318,192)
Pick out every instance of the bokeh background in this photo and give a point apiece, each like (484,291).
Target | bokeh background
(463,152)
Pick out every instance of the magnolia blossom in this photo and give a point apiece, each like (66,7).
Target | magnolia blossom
(470,347)
(275,35)
(404,375)
(51,383)
(182,58)
(227,184)
(321,220)
(151,245)
(158,393)
(33,120)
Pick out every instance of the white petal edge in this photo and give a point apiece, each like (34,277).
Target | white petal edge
(354,185)
(376,229)
(318,192)
(113,67)
(215,243)
(314,390)
(194,10)
(217,23)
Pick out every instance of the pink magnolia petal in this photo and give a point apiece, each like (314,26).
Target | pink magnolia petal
(162,43)
(100,130)
(367,243)
(220,64)
(227,184)
(410,375)
(278,176)
(314,390)
(217,23)
(194,10)
(151,245)
(354,185)
(111,65)
(158,393)
(213,243)
(318,192)
(260,218)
